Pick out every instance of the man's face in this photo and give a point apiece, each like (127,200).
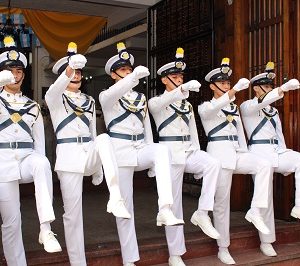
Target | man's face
(224,85)
(177,78)
(262,89)
(122,72)
(75,83)
(19,75)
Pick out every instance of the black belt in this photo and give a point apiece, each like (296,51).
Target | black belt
(175,138)
(220,138)
(263,141)
(16,145)
(72,140)
(126,136)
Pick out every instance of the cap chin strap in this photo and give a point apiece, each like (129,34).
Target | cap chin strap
(118,74)
(219,87)
(172,82)
(263,95)
(76,82)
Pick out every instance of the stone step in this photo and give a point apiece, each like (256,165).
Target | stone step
(288,254)
(200,247)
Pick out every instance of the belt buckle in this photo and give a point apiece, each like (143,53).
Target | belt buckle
(134,137)
(231,138)
(13,145)
(80,140)
(185,138)
(272,141)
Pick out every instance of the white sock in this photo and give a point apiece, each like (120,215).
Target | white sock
(202,212)
(45,227)
(223,249)
(255,211)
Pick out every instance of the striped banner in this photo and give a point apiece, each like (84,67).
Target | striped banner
(25,38)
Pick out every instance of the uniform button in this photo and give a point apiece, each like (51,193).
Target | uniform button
(16,131)
(8,95)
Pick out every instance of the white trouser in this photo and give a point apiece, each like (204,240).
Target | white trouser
(198,163)
(101,153)
(11,227)
(247,163)
(150,155)
(36,167)
(288,162)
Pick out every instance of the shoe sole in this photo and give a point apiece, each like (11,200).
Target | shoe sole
(159,223)
(128,216)
(250,221)
(194,222)
(294,215)
(52,251)
(226,262)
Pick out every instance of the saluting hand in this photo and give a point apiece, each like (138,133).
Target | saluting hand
(292,84)
(141,72)
(242,84)
(192,85)
(6,77)
(77,61)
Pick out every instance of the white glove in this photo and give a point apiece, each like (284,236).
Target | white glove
(77,61)
(140,72)
(292,84)
(97,178)
(6,77)
(192,85)
(242,84)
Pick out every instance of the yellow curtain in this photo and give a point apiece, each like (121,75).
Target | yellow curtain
(4,10)
(56,30)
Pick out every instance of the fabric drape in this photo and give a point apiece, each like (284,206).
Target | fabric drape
(55,30)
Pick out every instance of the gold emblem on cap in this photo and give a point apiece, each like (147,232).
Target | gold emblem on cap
(124,55)
(229,118)
(13,55)
(179,64)
(15,117)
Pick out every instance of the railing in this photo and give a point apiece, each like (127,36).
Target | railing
(107,33)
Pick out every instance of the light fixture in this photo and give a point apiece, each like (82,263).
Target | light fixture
(9,28)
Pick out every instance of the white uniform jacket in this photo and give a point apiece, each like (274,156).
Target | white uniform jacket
(71,157)
(212,116)
(253,112)
(182,126)
(27,128)
(111,100)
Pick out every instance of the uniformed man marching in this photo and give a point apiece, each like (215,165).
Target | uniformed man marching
(175,121)
(22,158)
(79,150)
(127,121)
(264,131)
(226,141)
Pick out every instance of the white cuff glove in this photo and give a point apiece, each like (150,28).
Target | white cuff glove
(6,77)
(140,72)
(97,178)
(292,84)
(77,61)
(242,84)
(192,85)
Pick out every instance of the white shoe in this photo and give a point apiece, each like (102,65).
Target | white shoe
(268,250)
(49,241)
(129,264)
(166,217)
(257,222)
(296,212)
(204,222)
(176,261)
(225,257)
(118,209)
